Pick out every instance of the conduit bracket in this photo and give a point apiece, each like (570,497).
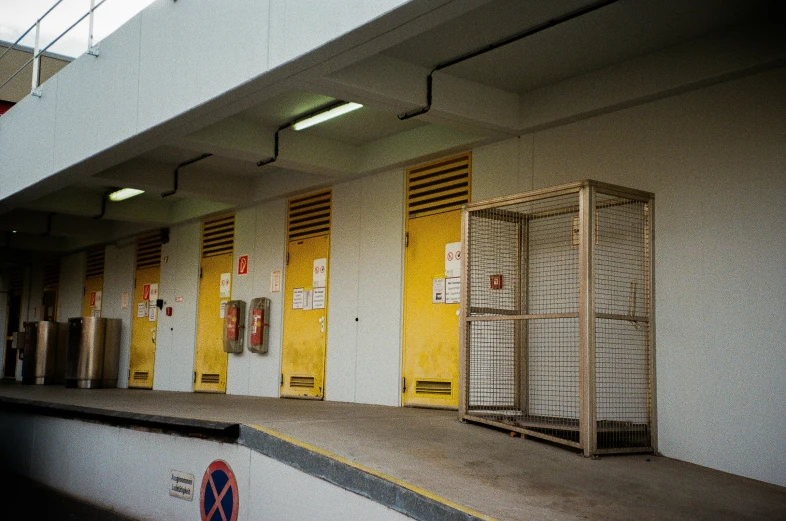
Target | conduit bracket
(496,45)
(177,170)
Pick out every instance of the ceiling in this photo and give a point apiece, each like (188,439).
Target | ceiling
(476,101)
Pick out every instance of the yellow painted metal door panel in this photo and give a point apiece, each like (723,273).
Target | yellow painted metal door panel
(143,331)
(305,330)
(431,331)
(93,286)
(210,364)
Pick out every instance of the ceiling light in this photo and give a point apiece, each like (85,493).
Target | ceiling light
(124,193)
(326,115)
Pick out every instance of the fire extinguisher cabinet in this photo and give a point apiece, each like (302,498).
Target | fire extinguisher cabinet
(259,322)
(234,326)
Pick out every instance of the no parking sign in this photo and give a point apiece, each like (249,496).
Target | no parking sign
(219,497)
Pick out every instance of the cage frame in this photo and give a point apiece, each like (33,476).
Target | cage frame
(587,314)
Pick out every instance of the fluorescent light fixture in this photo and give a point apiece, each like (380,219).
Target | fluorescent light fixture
(124,193)
(335,112)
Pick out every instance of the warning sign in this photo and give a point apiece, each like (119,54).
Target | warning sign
(242,265)
(320,273)
(219,499)
(146,292)
(453,259)
(225,285)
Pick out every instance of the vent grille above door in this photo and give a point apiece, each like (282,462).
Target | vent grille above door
(218,236)
(95,263)
(309,216)
(148,251)
(52,273)
(438,187)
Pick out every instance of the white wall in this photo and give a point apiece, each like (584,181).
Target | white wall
(715,160)
(119,280)
(176,336)
(137,481)
(260,233)
(364,312)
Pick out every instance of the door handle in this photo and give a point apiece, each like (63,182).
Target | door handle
(153,335)
(322,324)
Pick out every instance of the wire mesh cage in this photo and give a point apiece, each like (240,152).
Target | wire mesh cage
(557,337)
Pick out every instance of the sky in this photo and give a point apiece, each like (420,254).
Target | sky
(16,16)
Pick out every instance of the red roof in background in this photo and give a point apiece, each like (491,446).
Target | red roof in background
(4,106)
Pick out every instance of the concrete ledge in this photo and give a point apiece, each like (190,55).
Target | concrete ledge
(387,491)
(206,429)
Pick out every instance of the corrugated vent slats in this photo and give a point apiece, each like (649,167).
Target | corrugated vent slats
(218,236)
(438,187)
(309,216)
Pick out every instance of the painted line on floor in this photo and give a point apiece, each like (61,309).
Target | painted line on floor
(384,489)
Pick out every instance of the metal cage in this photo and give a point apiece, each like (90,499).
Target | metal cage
(557,337)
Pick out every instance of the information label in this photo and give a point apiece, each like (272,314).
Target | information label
(275,281)
(181,485)
(453,290)
(319,298)
(298,297)
(438,291)
(141,309)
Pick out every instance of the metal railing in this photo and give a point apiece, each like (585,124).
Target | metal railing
(37,51)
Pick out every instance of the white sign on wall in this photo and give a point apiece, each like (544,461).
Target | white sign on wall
(453,290)
(181,485)
(453,259)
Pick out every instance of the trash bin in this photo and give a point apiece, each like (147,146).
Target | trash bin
(46,351)
(93,352)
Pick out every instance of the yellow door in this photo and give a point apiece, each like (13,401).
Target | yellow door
(93,297)
(430,359)
(305,320)
(144,329)
(144,313)
(210,363)
(306,296)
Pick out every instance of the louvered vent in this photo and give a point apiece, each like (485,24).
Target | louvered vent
(95,263)
(52,273)
(434,387)
(148,251)
(17,280)
(309,216)
(218,236)
(210,378)
(438,187)
(141,375)
(303,382)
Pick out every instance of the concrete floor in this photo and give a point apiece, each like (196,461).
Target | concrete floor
(474,466)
